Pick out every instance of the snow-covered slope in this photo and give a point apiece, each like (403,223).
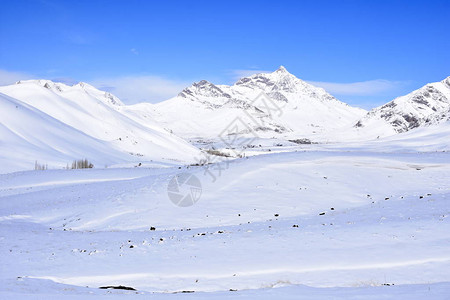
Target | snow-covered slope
(293,108)
(29,135)
(428,105)
(78,122)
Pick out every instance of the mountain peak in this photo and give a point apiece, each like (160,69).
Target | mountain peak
(282,74)
(203,83)
(203,88)
(282,69)
(279,80)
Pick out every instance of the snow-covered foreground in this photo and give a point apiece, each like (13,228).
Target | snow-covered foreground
(296,225)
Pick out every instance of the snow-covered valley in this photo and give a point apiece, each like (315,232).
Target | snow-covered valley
(328,224)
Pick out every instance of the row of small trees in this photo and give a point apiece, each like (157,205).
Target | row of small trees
(82,164)
(76,164)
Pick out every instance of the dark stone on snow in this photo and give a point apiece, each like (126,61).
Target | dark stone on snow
(118,287)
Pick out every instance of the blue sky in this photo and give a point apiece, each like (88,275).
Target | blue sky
(364,52)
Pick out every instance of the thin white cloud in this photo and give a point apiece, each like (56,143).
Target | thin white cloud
(134,51)
(363,88)
(135,89)
(10,77)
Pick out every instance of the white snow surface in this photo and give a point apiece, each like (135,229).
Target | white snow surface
(344,222)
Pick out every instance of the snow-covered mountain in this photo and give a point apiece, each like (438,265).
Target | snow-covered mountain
(292,109)
(428,105)
(54,123)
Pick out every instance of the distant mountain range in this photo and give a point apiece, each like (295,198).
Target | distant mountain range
(55,123)
(204,110)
